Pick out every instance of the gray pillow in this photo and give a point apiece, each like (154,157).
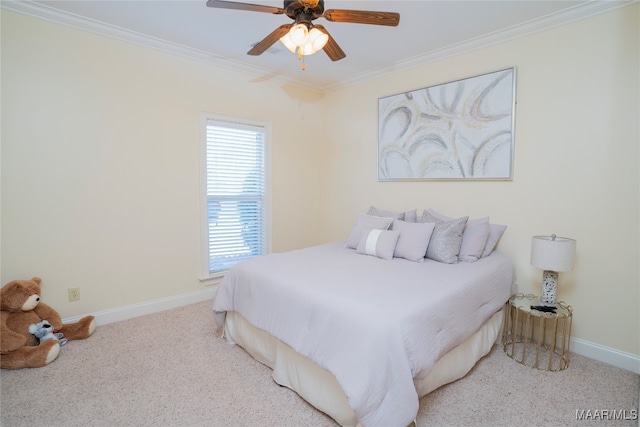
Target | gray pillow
(446,238)
(409,216)
(379,243)
(366,221)
(474,236)
(384,213)
(414,239)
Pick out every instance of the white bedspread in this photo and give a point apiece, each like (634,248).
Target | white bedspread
(375,324)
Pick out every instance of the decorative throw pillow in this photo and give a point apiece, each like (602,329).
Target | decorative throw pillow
(379,243)
(366,221)
(474,236)
(373,211)
(414,239)
(495,233)
(446,238)
(411,216)
(408,216)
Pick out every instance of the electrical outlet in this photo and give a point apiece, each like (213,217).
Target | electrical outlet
(74,294)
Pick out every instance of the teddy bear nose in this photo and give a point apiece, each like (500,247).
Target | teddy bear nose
(38,299)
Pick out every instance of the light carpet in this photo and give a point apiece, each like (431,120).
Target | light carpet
(168,369)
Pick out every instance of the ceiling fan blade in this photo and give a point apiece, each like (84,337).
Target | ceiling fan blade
(333,51)
(268,41)
(244,6)
(391,19)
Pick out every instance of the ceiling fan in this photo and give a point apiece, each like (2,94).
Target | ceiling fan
(302,36)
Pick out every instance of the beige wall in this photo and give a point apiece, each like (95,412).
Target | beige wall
(100,163)
(575,169)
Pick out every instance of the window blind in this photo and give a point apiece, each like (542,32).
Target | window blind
(235,193)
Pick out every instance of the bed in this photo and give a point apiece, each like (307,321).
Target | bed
(362,337)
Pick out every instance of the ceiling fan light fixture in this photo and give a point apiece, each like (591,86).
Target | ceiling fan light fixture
(286,40)
(317,39)
(307,49)
(299,34)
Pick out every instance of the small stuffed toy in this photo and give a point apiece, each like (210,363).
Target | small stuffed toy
(44,331)
(20,307)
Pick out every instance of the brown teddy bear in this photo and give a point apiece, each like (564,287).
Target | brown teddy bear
(20,307)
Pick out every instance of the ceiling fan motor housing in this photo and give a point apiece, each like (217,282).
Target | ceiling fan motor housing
(302,10)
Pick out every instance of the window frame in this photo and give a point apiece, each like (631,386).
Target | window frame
(205,275)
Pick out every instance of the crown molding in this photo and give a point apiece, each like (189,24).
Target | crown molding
(41,11)
(576,13)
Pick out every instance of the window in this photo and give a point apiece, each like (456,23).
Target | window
(234,205)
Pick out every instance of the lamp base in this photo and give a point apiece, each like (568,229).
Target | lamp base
(549,288)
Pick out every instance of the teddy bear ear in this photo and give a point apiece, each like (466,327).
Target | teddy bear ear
(37,280)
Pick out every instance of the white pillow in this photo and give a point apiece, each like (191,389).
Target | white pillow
(414,239)
(379,243)
(474,236)
(495,233)
(366,221)
(446,238)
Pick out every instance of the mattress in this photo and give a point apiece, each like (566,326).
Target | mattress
(320,388)
(378,326)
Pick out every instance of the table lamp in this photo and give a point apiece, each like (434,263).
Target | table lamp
(551,254)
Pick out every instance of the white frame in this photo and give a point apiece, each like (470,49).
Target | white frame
(460,130)
(205,276)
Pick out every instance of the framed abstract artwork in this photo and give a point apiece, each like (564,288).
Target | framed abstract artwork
(461,130)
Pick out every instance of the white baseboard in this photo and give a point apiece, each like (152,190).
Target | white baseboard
(609,355)
(148,307)
(588,349)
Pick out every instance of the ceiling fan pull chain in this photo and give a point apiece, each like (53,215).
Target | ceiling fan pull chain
(301,57)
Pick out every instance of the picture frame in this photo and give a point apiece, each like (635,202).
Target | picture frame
(460,130)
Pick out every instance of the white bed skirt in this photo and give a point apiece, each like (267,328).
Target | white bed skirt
(320,388)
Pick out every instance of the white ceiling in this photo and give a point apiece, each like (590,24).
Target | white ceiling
(428,31)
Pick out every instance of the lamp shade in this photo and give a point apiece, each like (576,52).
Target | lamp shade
(318,39)
(552,253)
(299,34)
(286,40)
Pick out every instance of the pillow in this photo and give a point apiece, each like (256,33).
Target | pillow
(376,242)
(414,239)
(446,238)
(366,221)
(409,216)
(474,236)
(495,233)
(373,211)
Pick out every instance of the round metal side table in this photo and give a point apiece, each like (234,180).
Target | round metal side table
(535,338)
